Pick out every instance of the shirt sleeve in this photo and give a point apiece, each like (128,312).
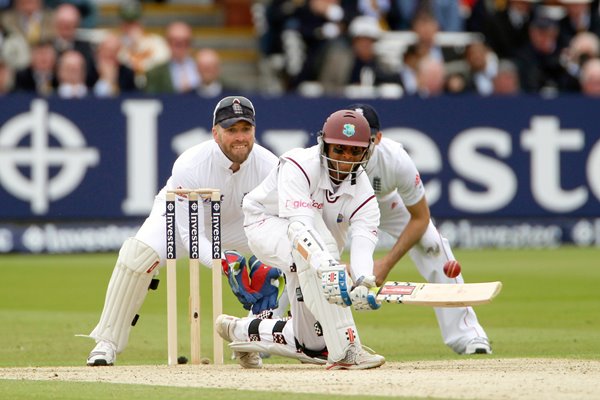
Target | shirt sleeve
(409,184)
(363,232)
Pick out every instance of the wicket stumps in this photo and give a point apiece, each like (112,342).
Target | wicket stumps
(194,265)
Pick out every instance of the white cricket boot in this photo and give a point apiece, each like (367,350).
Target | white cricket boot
(225,325)
(358,358)
(103,354)
(478,345)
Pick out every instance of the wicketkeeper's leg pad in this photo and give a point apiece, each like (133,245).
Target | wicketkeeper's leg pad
(127,289)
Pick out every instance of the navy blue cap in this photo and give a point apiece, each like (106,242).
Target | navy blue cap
(370,115)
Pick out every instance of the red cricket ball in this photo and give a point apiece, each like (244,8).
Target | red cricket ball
(452,268)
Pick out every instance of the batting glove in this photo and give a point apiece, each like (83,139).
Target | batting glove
(268,282)
(234,267)
(336,284)
(364,294)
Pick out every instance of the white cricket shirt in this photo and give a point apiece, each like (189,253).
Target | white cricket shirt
(391,168)
(301,187)
(205,166)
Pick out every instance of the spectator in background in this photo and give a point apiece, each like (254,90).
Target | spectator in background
(584,46)
(481,67)
(14,49)
(445,12)
(6,78)
(431,77)
(25,24)
(29,19)
(590,78)
(141,51)
(387,12)
(39,78)
(506,81)
(321,24)
(113,77)
(180,73)
(506,30)
(208,64)
(87,10)
(426,27)
(70,71)
(408,70)
(66,22)
(579,18)
(357,65)
(538,61)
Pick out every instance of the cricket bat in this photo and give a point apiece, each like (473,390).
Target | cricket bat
(439,294)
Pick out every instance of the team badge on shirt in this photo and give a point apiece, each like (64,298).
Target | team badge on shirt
(349,130)
(340,218)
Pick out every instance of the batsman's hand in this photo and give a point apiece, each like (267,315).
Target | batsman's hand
(234,267)
(336,283)
(268,282)
(364,294)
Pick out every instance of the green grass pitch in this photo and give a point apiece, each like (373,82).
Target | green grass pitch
(549,307)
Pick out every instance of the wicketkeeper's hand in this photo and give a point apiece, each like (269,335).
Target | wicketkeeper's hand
(234,267)
(268,282)
(364,294)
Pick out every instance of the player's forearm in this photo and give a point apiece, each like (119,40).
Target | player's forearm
(410,236)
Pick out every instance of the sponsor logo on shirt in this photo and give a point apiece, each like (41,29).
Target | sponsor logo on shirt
(296,204)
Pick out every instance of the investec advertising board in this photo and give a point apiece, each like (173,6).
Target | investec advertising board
(508,172)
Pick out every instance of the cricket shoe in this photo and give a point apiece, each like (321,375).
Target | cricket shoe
(358,358)
(103,354)
(225,325)
(478,345)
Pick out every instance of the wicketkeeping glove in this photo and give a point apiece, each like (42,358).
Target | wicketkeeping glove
(234,267)
(268,282)
(364,294)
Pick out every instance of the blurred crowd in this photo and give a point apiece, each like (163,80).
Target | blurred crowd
(352,48)
(486,47)
(43,52)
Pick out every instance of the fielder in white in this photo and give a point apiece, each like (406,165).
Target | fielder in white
(298,220)
(405,216)
(232,163)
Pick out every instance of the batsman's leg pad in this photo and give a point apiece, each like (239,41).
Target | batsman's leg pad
(309,252)
(127,289)
(275,349)
(339,330)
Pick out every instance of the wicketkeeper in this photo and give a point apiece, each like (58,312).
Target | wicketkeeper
(232,163)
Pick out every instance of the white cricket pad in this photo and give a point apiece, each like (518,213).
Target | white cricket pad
(275,349)
(126,292)
(309,252)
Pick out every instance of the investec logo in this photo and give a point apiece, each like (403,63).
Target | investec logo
(71,157)
(216,229)
(170,228)
(193,229)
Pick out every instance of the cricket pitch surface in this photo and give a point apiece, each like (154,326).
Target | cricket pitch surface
(470,378)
